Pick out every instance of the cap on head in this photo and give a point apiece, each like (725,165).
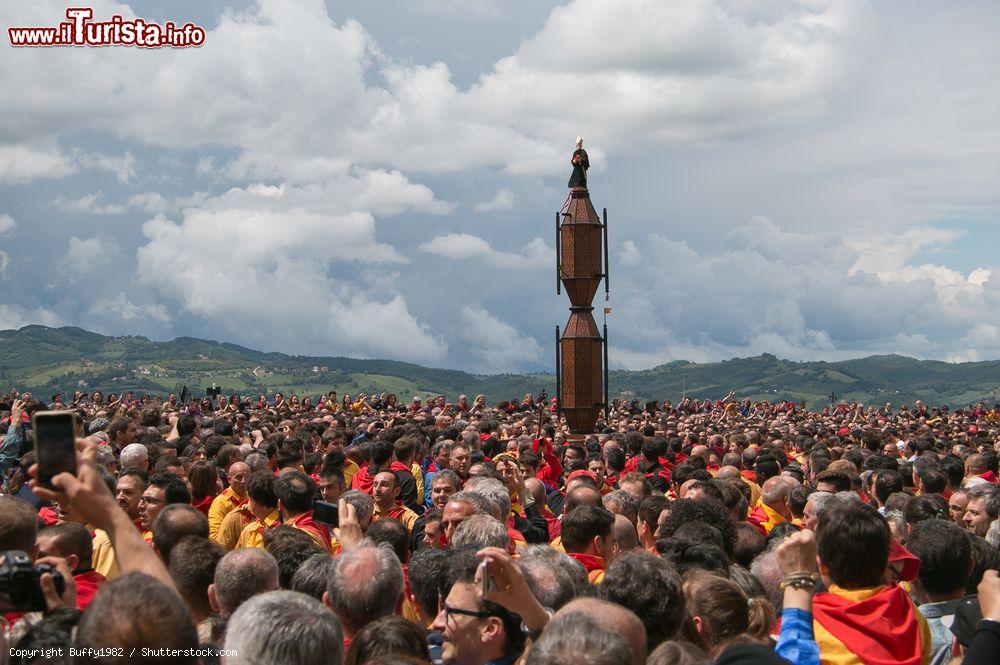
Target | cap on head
(579,141)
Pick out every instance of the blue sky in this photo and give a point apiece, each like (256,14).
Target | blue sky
(811,179)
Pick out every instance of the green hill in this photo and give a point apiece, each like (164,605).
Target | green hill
(46,360)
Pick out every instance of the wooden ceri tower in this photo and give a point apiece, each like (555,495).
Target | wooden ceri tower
(581,350)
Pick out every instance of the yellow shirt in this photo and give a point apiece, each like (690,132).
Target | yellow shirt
(232,526)
(253,533)
(399,512)
(350,468)
(418,476)
(221,506)
(103,560)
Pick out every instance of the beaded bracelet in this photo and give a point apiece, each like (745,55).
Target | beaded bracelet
(798,581)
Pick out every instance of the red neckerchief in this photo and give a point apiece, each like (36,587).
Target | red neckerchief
(204,503)
(305,522)
(589,561)
(395,513)
(399,466)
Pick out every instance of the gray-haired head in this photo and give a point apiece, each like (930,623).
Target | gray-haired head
(471,439)
(134,454)
(312,576)
(848,496)
(554,577)
(365,584)
(104,456)
(621,502)
(256,462)
(576,638)
(480,503)
(480,531)
(242,574)
(495,491)
(281,627)
(364,505)
(820,501)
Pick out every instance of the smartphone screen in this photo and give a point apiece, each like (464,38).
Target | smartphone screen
(326,513)
(54,444)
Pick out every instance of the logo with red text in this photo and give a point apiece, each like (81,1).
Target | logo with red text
(81,30)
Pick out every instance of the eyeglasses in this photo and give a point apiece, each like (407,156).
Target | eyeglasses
(151,499)
(478,614)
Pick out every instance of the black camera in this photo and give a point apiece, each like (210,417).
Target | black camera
(20,590)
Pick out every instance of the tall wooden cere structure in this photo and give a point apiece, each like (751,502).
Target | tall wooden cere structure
(581,349)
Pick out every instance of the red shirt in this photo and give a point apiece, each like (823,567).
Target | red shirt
(86,586)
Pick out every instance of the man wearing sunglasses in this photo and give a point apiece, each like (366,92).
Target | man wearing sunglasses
(476,632)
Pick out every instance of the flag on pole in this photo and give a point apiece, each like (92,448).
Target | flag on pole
(607,310)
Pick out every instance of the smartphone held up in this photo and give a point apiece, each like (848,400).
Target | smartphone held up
(55,436)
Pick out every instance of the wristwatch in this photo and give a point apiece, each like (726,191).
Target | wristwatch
(990,624)
(535,634)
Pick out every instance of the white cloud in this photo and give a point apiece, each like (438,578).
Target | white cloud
(86,255)
(800,296)
(305,114)
(126,310)
(536,254)
(382,193)
(24,163)
(629,254)
(151,202)
(88,204)
(7,224)
(264,277)
(4,262)
(122,166)
(13,317)
(504,200)
(495,346)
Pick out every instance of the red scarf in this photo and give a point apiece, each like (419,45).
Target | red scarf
(305,522)
(49,516)
(399,466)
(204,503)
(514,537)
(881,630)
(989,477)
(589,561)
(395,513)
(86,586)
(552,521)
(362,480)
(594,566)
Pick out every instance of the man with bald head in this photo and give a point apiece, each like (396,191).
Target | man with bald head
(232,498)
(773,508)
(537,490)
(613,617)
(626,538)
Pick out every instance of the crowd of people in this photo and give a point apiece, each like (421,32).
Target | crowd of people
(363,530)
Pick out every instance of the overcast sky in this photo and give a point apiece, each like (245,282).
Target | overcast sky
(817,180)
